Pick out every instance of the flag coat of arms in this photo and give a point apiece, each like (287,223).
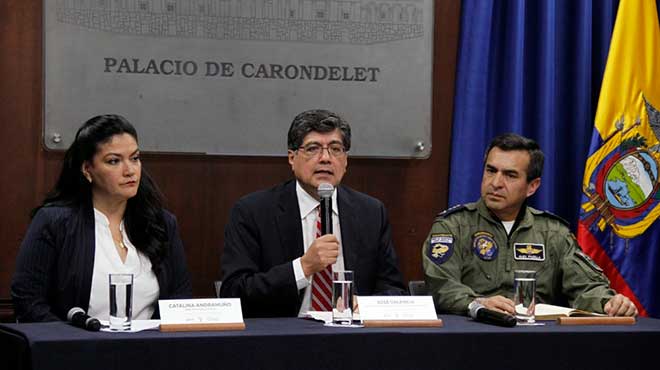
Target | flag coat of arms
(618,224)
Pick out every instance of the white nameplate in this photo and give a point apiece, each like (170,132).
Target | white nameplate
(200,311)
(396,308)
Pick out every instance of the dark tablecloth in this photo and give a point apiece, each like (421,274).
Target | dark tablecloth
(288,343)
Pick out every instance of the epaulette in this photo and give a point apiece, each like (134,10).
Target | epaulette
(451,210)
(550,215)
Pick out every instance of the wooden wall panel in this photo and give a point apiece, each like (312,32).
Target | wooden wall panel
(200,190)
(20,126)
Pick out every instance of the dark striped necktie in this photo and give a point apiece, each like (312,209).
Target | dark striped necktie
(322,280)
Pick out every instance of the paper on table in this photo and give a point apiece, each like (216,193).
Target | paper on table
(324,316)
(136,325)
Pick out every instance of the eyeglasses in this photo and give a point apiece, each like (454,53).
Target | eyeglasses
(315,150)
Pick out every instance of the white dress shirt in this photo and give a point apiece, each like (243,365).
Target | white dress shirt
(107,261)
(308,216)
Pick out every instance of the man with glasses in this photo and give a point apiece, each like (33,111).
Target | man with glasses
(272,250)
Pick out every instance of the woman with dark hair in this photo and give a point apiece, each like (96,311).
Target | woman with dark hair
(105,215)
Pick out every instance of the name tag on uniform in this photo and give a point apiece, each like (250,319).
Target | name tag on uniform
(529,252)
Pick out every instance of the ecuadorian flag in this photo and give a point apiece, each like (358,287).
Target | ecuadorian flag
(618,224)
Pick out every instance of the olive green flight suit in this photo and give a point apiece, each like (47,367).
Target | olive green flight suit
(468,255)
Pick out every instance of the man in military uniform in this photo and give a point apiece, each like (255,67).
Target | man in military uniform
(473,249)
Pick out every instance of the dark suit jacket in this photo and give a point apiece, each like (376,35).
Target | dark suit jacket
(264,235)
(56,261)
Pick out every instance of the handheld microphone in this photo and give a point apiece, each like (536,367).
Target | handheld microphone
(325,193)
(479,312)
(79,318)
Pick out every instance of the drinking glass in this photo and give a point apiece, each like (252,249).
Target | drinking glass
(121,301)
(524,297)
(342,297)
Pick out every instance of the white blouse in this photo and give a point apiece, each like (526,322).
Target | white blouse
(107,261)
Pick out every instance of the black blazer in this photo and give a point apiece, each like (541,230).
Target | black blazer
(264,235)
(56,260)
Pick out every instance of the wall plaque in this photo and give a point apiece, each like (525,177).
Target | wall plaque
(227,76)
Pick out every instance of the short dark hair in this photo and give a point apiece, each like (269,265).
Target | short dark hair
(317,120)
(510,141)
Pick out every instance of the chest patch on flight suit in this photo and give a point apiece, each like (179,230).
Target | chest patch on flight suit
(529,252)
(484,246)
(441,247)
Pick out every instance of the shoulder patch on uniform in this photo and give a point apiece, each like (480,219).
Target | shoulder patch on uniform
(441,247)
(451,210)
(581,255)
(484,246)
(550,215)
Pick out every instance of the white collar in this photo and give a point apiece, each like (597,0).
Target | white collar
(307,203)
(102,219)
